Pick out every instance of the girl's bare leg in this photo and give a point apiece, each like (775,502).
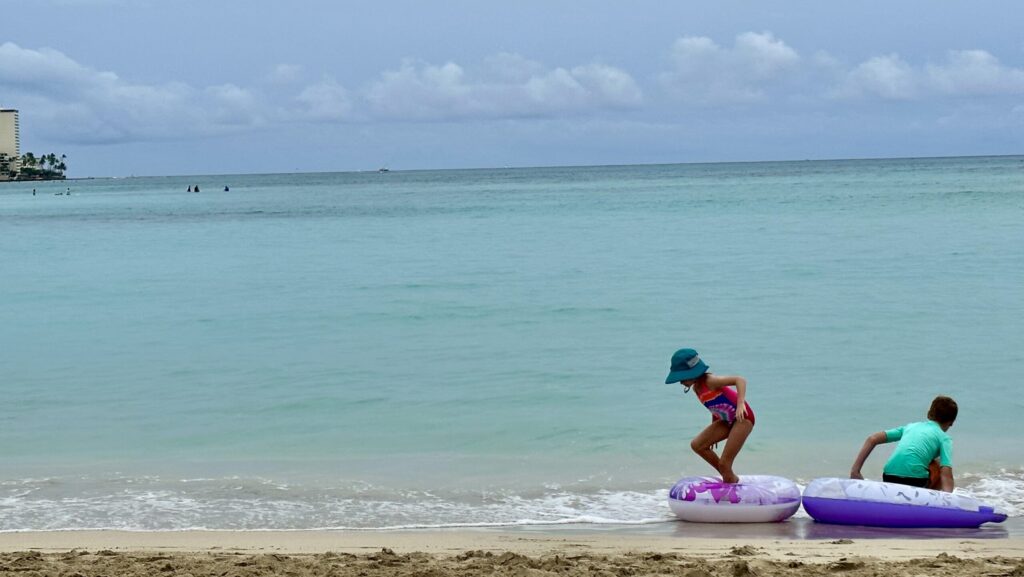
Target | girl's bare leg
(702,443)
(738,434)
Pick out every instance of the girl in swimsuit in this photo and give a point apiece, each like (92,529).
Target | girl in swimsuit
(731,417)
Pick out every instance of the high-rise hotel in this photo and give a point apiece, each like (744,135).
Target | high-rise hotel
(10,143)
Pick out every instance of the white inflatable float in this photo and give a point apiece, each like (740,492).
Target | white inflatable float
(755,499)
(876,504)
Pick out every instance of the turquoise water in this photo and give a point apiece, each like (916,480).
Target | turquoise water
(488,347)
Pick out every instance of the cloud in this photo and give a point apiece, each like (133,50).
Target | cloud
(759,65)
(425,92)
(325,101)
(608,86)
(73,102)
(887,77)
(974,72)
(705,73)
(230,105)
(763,55)
(79,104)
(963,73)
(46,69)
(509,86)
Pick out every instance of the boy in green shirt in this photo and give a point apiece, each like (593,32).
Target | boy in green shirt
(924,455)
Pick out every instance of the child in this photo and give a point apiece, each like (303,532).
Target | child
(923,447)
(731,417)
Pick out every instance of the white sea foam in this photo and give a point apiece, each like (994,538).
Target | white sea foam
(256,505)
(149,504)
(1004,490)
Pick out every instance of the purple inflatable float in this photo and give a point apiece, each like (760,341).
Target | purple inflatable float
(875,504)
(755,499)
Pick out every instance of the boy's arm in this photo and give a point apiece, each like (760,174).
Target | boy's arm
(870,443)
(946,479)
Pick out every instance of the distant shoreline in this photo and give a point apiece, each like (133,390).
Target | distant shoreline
(41,179)
(542,167)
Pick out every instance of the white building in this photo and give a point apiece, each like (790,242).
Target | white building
(10,143)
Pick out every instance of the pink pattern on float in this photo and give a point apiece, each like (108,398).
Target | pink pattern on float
(756,490)
(718,490)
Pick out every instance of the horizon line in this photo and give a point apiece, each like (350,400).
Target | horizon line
(542,166)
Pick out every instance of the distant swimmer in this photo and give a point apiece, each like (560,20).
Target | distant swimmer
(190,188)
(196,187)
(226,189)
(33,192)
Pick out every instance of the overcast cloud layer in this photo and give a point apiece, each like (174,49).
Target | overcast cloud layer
(750,94)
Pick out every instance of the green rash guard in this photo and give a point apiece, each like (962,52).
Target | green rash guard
(919,444)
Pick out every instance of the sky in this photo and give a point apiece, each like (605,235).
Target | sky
(169,87)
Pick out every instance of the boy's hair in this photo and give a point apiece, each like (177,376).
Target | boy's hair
(943,410)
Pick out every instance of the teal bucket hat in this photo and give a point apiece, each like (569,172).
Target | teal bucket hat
(686,365)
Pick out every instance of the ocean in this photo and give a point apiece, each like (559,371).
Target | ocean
(488,348)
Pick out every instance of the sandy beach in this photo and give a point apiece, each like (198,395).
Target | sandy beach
(471,553)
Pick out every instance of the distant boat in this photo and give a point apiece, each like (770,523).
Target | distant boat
(383,170)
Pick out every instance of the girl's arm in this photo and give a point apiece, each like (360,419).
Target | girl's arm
(716,382)
(741,398)
(870,443)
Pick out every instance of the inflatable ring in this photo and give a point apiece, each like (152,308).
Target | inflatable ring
(876,504)
(755,499)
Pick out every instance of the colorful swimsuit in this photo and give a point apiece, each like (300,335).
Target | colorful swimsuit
(721,403)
